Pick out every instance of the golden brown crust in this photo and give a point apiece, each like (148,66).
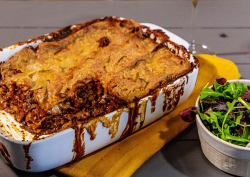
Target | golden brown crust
(108,62)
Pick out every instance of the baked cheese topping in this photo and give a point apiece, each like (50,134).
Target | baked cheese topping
(108,61)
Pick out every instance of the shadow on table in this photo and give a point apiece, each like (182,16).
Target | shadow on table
(187,158)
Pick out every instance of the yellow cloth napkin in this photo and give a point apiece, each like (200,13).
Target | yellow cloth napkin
(124,157)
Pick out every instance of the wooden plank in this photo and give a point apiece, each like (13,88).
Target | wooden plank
(190,133)
(221,14)
(6,170)
(179,158)
(244,70)
(236,40)
(10,36)
(165,13)
(239,59)
(60,14)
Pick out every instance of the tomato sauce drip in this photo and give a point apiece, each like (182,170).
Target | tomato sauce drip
(5,154)
(27,155)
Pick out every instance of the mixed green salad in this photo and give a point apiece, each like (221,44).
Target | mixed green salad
(225,111)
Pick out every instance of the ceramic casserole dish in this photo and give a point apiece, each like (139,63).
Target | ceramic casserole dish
(19,149)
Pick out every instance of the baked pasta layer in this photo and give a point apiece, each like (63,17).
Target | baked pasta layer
(85,71)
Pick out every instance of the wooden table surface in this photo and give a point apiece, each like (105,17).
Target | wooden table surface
(223,25)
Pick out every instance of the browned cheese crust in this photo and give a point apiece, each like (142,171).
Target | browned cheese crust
(87,70)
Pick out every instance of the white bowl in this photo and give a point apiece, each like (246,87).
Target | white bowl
(228,157)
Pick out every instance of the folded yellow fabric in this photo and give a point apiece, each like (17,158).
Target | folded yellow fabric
(123,158)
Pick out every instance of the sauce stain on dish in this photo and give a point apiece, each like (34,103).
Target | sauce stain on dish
(172,96)
(167,93)
(27,155)
(79,144)
(143,112)
(5,154)
(153,100)
(187,79)
(171,99)
(91,127)
(112,125)
(133,112)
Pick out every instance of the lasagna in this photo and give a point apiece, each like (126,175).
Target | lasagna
(87,70)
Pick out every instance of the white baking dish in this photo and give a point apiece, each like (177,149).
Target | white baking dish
(58,149)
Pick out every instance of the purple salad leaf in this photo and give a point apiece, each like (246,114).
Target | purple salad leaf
(239,104)
(221,105)
(246,95)
(221,81)
(231,115)
(188,115)
(240,130)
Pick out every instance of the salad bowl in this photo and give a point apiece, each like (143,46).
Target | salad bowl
(228,157)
